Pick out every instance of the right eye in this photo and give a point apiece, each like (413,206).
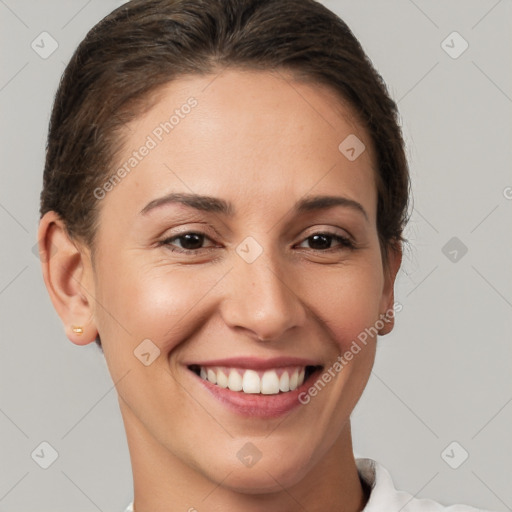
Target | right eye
(190,242)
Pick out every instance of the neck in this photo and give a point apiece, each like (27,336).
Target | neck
(163,482)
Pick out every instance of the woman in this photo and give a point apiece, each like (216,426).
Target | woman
(225,193)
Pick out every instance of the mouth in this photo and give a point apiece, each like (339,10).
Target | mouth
(253,387)
(253,381)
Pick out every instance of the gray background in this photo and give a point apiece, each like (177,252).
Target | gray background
(443,375)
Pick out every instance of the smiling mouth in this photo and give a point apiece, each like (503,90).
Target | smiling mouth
(268,382)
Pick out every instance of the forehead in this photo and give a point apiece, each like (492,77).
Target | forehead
(246,134)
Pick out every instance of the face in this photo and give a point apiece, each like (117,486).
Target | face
(242,246)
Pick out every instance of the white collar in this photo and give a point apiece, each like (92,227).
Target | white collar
(385,497)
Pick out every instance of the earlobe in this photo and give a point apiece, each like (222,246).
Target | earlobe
(394,260)
(67,274)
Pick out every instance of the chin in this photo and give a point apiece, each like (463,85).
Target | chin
(263,480)
(266,475)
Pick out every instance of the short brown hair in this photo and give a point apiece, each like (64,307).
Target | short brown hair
(145,44)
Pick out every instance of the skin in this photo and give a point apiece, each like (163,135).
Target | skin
(261,141)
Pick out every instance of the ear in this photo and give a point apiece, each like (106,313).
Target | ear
(67,273)
(394,260)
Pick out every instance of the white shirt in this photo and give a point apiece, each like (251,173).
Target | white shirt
(385,498)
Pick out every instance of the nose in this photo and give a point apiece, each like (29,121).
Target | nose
(260,300)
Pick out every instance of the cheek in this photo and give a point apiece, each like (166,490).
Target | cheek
(159,302)
(348,301)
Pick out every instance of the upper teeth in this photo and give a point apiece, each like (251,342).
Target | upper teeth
(269,382)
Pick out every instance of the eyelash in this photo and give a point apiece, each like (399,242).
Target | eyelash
(344,242)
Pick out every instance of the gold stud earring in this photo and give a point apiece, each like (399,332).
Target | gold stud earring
(77,330)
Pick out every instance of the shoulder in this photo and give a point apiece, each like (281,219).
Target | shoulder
(384,495)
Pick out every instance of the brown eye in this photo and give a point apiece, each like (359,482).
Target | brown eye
(324,241)
(320,241)
(191,241)
(186,242)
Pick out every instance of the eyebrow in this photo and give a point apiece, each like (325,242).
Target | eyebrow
(204,203)
(216,205)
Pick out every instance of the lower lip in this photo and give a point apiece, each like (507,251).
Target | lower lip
(257,404)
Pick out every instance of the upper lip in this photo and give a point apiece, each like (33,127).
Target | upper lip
(255,363)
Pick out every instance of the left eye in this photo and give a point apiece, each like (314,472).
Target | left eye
(323,241)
